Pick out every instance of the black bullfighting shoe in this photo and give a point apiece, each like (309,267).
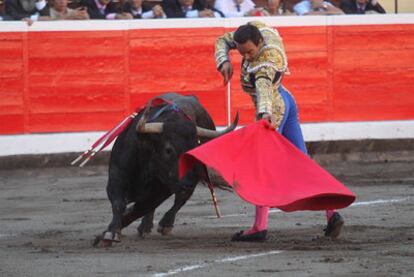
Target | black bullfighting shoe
(254,237)
(333,229)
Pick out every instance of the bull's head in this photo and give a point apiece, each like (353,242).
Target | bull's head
(175,138)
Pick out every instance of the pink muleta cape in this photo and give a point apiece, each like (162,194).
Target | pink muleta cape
(265,169)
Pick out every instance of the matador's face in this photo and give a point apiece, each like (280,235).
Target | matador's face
(249,50)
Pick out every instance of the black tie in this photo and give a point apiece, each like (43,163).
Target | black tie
(238,7)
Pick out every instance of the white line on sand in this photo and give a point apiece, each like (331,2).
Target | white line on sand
(364,203)
(379,201)
(7,235)
(205,264)
(237,258)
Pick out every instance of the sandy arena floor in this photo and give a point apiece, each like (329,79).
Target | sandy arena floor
(49,217)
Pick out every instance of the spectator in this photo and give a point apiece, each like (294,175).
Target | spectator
(59,11)
(4,17)
(361,6)
(135,8)
(103,9)
(316,7)
(188,9)
(236,8)
(276,7)
(27,10)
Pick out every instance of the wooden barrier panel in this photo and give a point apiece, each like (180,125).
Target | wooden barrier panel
(74,80)
(373,72)
(12,73)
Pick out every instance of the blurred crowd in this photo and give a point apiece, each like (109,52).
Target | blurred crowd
(40,10)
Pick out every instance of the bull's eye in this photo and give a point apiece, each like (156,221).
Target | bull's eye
(169,150)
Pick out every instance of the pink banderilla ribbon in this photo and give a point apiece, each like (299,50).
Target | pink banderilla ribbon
(104,141)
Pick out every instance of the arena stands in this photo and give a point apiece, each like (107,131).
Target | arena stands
(391,6)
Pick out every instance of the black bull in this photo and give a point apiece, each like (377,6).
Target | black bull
(143,167)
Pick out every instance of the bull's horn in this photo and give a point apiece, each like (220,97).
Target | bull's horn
(202,132)
(154,127)
(143,118)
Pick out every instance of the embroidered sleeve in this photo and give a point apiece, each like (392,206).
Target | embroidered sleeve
(223,46)
(274,55)
(264,88)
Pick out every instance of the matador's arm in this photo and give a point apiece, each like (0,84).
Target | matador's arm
(223,45)
(264,89)
(267,95)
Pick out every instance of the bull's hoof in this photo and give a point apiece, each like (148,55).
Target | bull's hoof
(100,241)
(165,231)
(106,243)
(143,233)
(144,230)
(109,236)
(106,239)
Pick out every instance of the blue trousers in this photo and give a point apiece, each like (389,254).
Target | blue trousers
(289,126)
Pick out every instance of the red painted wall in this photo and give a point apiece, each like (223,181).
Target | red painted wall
(83,81)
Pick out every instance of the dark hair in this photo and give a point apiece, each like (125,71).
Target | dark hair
(248,32)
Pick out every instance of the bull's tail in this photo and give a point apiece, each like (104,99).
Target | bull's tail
(104,141)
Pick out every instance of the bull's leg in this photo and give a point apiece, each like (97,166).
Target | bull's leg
(122,217)
(116,196)
(166,224)
(146,225)
(185,190)
(114,228)
(146,206)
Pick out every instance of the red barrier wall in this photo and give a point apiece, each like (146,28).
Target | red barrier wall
(63,81)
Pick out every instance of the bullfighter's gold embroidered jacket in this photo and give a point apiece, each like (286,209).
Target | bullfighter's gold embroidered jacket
(260,78)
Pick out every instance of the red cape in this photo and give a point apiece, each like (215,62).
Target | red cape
(265,169)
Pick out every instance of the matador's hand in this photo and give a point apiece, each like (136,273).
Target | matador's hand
(226,70)
(271,119)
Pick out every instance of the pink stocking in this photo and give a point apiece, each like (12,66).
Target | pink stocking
(260,222)
(329,214)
